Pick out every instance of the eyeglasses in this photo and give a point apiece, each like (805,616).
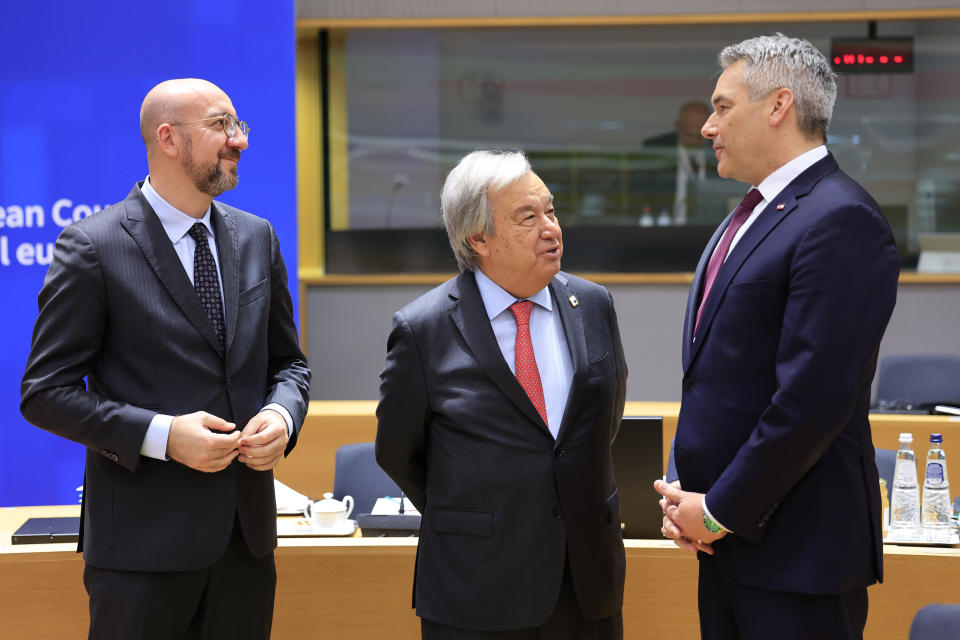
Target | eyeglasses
(229,123)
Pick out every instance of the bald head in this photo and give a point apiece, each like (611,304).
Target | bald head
(174,101)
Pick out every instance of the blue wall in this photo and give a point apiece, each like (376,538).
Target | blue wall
(72,76)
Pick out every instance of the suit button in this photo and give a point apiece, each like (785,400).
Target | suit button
(687,382)
(110,454)
(231,383)
(559,453)
(558,513)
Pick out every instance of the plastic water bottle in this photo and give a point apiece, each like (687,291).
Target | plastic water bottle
(936,490)
(905,496)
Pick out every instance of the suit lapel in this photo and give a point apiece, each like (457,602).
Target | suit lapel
(470,317)
(144,227)
(776,210)
(693,297)
(228,251)
(572,319)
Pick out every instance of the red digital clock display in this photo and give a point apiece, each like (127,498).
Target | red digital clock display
(872,55)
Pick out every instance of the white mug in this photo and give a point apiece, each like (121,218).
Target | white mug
(329,513)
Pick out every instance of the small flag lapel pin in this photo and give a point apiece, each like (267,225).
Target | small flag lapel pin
(781,206)
(573,301)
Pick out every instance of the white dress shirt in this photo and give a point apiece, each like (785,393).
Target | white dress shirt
(691,168)
(176,224)
(776,182)
(550,348)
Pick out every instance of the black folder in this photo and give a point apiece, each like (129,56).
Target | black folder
(40,530)
(389,525)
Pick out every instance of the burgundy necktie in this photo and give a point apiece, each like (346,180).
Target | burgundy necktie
(744,209)
(205,280)
(526,365)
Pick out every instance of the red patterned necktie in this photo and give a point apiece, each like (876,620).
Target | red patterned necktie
(526,365)
(744,209)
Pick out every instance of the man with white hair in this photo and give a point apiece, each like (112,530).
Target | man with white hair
(777,480)
(502,392)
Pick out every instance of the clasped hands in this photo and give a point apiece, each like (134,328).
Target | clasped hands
(683,518)
(204,442)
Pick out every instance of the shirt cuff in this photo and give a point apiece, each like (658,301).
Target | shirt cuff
(273,406)
(710,515)
(155,442)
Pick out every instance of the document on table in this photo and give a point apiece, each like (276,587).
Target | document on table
(391,507)
(289,502)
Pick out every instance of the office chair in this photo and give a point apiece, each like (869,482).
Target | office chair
(936,622)
(918,382)
(357,474)
(886,463)
(671,474)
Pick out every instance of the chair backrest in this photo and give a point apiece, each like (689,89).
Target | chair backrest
(358,475)
(886,463)
(918,380)
(936,622)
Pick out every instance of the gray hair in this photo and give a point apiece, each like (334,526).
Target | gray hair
(463,198)
(778,61)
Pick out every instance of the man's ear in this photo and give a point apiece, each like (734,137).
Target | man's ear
(781,103)
(478,243)
(167,142)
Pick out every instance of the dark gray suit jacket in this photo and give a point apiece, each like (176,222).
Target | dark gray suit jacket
(502,502)
(118,308)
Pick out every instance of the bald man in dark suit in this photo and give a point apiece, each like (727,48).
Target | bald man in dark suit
(175,309)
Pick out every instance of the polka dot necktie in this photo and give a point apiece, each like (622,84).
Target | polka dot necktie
(205,280)
(744,209)
(526,365)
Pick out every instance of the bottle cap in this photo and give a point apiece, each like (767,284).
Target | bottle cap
(936,438)
(906,437)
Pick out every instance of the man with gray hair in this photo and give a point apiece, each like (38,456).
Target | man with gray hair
(777,485)
(502,392)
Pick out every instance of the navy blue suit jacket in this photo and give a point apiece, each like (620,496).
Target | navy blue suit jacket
(773,422)
(503,503)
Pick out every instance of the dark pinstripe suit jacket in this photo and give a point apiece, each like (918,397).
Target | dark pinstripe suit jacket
(118,308)
(504,504)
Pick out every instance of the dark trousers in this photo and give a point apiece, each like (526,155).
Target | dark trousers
(566,622)
(731,611)
(230,600)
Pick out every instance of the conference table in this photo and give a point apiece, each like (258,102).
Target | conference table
(361,587)
(331,424)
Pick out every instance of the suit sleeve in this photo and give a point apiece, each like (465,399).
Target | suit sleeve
(403,414)
(842,287)
(620,395)
(67,339)
(288,376)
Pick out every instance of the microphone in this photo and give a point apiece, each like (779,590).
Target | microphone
(400,180)
(400,510)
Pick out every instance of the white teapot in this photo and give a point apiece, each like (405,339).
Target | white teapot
(329,513)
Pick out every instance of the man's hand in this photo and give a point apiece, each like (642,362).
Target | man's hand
(672,532)
(202,441)
(263,441)
(683,518)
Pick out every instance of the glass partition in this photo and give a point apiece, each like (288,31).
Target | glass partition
(608,117)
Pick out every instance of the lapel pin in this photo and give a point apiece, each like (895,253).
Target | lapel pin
(780,206)
(573,301)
